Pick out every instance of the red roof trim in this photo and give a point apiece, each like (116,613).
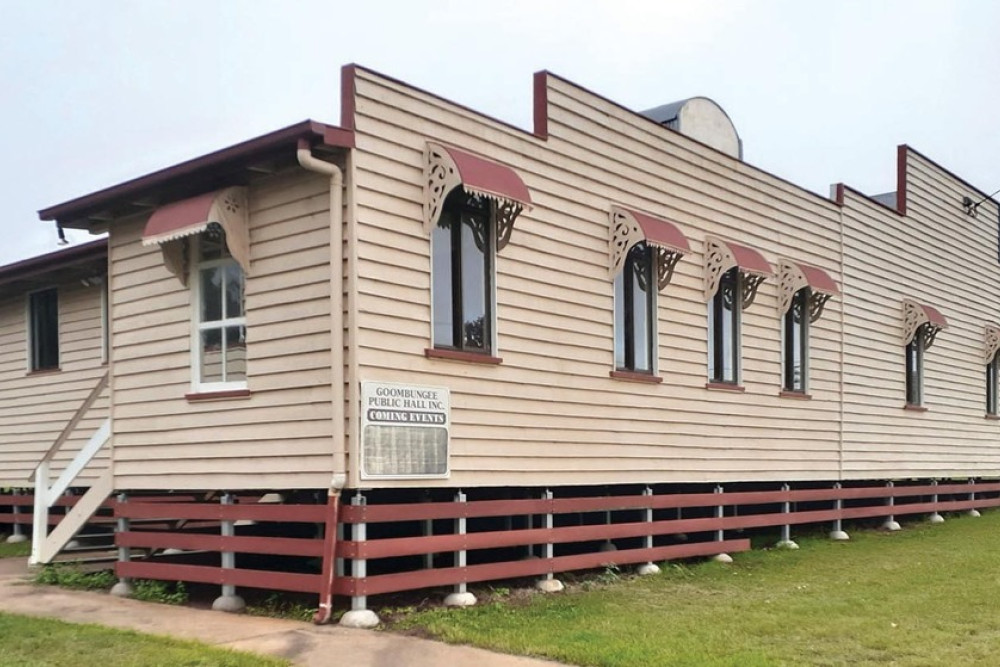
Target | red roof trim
(661,232)
(310,130)
(818,279)
(749,259)
(51,261)
(901,179)
(540,105)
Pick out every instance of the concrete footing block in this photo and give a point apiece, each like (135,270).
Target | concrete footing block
(460,600)
(72,544)
(607,546)
(122,589)
(786,544)
(722,558)
(364,619)
(648,568)
(549,585)
(839,536)
(891,526)
(974,513)
(935,518)
(231,604)
(16,539)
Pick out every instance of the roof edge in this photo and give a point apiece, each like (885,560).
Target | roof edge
(82,252)
(312,131)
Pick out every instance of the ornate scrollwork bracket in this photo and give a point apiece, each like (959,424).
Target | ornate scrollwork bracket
(626,232)
(991,342)
(791,278)
(442,176)
(719,258)
(916,319)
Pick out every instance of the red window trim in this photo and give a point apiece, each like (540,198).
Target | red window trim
(800,395)
(725,386)
(459,355)
(635,376)
(910,407)
(195,397)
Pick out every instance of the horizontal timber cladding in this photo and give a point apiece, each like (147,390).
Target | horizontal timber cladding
(550,413)
(939,256)
(280,436)
(35,407)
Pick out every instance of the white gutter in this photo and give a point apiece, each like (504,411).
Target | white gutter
(311,163)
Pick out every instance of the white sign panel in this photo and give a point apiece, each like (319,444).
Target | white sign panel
(404,431)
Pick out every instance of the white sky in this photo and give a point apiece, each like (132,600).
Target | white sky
(94,93)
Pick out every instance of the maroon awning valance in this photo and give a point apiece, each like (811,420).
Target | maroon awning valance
(448,168)
(629,227)
(749,260)
(721,256)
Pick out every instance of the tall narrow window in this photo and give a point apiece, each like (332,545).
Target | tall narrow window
(462,274)
(992,377)
(915,367)
(724,329)
(635,312)
(220,350)
(43,329)
(795,343)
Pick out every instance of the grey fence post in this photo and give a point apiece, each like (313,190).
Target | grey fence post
(649,567)
(460,597)
(359,616)
(123,588)
(229,601)
(17,533)
(786,541)
(972,496)
(548,583)
(838,532)
(935,516)
(720,534)
(890,520)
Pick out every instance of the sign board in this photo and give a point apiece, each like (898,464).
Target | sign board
(404,431)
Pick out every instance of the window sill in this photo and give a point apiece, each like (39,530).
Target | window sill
(910,407)
(993,417)
(636,376)
(43,371)
(797,395)
(197,397)
(458,355)
(725,386)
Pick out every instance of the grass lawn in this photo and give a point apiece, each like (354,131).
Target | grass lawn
(35,642)
(925,596)
(17,550)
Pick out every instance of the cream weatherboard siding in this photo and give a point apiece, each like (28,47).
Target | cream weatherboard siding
(35,407)
(279,437)
(936,255)
(550,414)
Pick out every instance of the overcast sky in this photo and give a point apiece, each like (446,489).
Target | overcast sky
(94,93)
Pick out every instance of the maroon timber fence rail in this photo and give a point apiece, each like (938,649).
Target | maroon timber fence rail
(399,546)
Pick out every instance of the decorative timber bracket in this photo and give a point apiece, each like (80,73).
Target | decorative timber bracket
(921,318)
(793,276)
(631,227)
(721,256)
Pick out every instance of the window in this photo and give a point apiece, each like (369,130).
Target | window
(219,345)
(992,377)
(43,329)
(724,329)
(635,312)
(462,274)
(915,367)
(795,343)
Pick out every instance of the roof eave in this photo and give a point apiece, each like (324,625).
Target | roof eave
(313,132)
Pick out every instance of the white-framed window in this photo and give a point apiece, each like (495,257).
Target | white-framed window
(219,332)
(915,367)
(795,344)
(724,320)
(43,330)
(992,380)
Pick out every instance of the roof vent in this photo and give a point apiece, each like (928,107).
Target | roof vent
(701,119)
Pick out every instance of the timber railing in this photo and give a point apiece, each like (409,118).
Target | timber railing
(509,538)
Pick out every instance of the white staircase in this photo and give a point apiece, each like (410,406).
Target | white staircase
(45,545)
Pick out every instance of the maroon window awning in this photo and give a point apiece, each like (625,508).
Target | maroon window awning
(629,227)
(915,315)
(818,280)
(448,167)
(659,232)
(795,276)
(748,260)
(485,177)
(226,207)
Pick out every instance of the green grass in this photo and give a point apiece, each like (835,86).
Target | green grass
(19,550)
(44,642)
(924,596)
